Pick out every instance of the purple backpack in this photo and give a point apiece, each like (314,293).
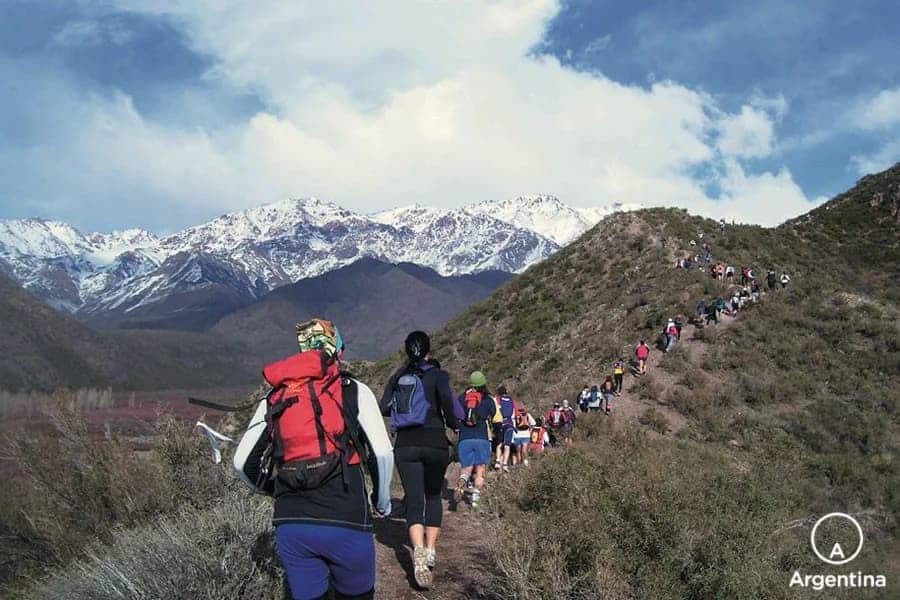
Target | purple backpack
(409,405)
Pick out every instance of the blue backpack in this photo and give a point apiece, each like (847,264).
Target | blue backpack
(409,405)
(507,408)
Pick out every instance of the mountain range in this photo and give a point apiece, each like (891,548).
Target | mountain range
(115,279)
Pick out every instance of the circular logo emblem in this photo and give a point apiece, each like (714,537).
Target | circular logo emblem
(836,550)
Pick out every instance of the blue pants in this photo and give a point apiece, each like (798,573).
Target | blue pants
(318,556)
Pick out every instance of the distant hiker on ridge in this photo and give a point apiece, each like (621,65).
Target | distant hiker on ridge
(619,373)
(642,353)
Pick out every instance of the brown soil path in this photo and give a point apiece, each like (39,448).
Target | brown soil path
(463,558)
(464,561)
(629,406)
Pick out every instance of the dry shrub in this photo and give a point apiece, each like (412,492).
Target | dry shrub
(73,485)
(655,420)
(647,388)
(218,553)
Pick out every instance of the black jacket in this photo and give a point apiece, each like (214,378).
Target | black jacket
(440,413)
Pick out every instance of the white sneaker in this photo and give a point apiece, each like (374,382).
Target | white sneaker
(525,462)
(429,558)
(421,572)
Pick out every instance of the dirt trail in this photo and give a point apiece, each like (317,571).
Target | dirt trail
(463,559)
(629,406)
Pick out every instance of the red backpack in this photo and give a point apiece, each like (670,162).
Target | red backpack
(471,401)
(556,416)
(311,436)
(522,422)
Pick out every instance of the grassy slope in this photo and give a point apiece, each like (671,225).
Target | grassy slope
(792,413)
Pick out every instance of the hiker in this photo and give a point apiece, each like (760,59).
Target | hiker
(420,403)
(568,426)
(554,417)
(583,398)
(720,271)
(619,373)
(322,516)
(522,435)
(671,335)
(721,307)
(608,391)
(712,312)
(745,277)
(771,280)
(702,311)
(539,437)
(507,407)
(594,399)
(755,291)
(785,280)
(642,353)
(474,410)
(729,273)
(735,302)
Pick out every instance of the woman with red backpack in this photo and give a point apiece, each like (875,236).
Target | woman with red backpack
(420,404)
(322,516)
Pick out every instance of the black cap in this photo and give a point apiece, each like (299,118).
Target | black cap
(417,345)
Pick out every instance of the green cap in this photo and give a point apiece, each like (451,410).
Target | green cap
(477,379)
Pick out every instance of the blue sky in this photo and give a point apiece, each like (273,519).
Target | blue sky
(138,113)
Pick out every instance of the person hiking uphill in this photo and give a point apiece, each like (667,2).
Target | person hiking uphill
(619,374)
(584,398)
(420,403)
(608,392)
(522,435)
(594,399)
(568,426)
(785,280)
(771,280)
(322,517)
(474,410)
(642,353)
(540,437)
(671,335)
(507,407)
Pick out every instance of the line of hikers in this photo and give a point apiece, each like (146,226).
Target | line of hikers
(319,429)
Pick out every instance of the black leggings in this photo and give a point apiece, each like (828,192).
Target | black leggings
(618,379)
(422,475)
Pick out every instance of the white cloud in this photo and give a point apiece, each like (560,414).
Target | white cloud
(748,134)
(374,105)
(883,158)
(879,112)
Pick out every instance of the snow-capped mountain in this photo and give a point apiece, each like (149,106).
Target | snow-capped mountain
(548,215)
(134,277)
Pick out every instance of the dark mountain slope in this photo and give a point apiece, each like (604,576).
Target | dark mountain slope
(374,303)
(41,348)
(189,291)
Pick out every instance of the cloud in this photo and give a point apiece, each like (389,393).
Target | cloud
(879,112)
(748,134)
(378,105)
(881,159)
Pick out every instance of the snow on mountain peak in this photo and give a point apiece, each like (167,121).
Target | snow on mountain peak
(281,242)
